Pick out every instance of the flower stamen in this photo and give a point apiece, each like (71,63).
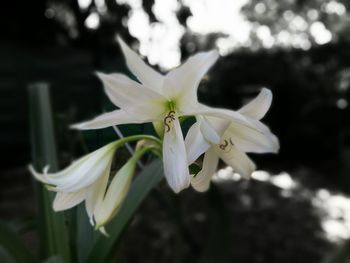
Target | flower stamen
(226,144)
(223,145)
(168,120)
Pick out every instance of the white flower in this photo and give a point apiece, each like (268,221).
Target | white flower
(87,180)
(235,142)
(163,99)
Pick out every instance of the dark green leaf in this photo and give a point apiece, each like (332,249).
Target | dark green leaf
(13,247)
(54,259)
(86,235)
(22,225)
(5,257)
(52,229)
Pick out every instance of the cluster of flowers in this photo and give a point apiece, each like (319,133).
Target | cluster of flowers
(162,100)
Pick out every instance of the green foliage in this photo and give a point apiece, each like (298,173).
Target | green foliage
(12,248)
(52,229)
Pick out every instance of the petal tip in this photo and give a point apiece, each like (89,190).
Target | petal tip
(201,188)
(77,126)
(103,231)
(177,187)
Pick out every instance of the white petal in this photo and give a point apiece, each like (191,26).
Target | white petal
(195,143)
(237,159)
(84,171)
(132,97)
(224,114)
(174,158)
(258,107)
(213,128)
(144,73)
(183,81)
(96,192)
(219,125)
(40,177)
(250,140)
(108,119)
(88,175)
(65,201)
(201,181)
(209,132)
(115,194)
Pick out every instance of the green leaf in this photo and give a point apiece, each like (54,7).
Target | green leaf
(142,185)
(52,229)
(22,225)
(12,248)
(86,235)
(54,259)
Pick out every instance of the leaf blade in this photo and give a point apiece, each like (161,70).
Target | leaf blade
(13,246)
(52,229)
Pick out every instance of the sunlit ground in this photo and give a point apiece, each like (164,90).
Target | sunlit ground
(334,207)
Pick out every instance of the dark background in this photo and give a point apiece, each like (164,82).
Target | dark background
(254,221)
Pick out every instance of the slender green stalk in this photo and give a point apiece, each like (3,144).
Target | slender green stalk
(139,137)
(52,229)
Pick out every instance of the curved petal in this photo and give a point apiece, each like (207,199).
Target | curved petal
(209,132)
(202,180)
(132,97)
(258,107)
(108,119)
(41,177)
(224,114)
(183,81)
(65,201)
(195,143)
(174,158)
(84,176)
(96,192)
(144,73)
(83,172)
(250,140)
(115,194)
(237,159)
(213,128)
(219,125)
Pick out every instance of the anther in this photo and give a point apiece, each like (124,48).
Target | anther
(224,145)
(168,120)
(231,142)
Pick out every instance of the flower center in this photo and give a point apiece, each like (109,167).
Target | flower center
(171,105)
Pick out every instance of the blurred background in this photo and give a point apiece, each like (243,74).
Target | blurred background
(295,208)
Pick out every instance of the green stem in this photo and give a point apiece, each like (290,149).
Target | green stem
(138,154)
(131,138)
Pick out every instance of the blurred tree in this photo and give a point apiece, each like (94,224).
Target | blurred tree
(297,23)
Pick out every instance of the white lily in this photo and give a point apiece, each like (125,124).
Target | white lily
(87,180)
(163,99)
(235,142)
